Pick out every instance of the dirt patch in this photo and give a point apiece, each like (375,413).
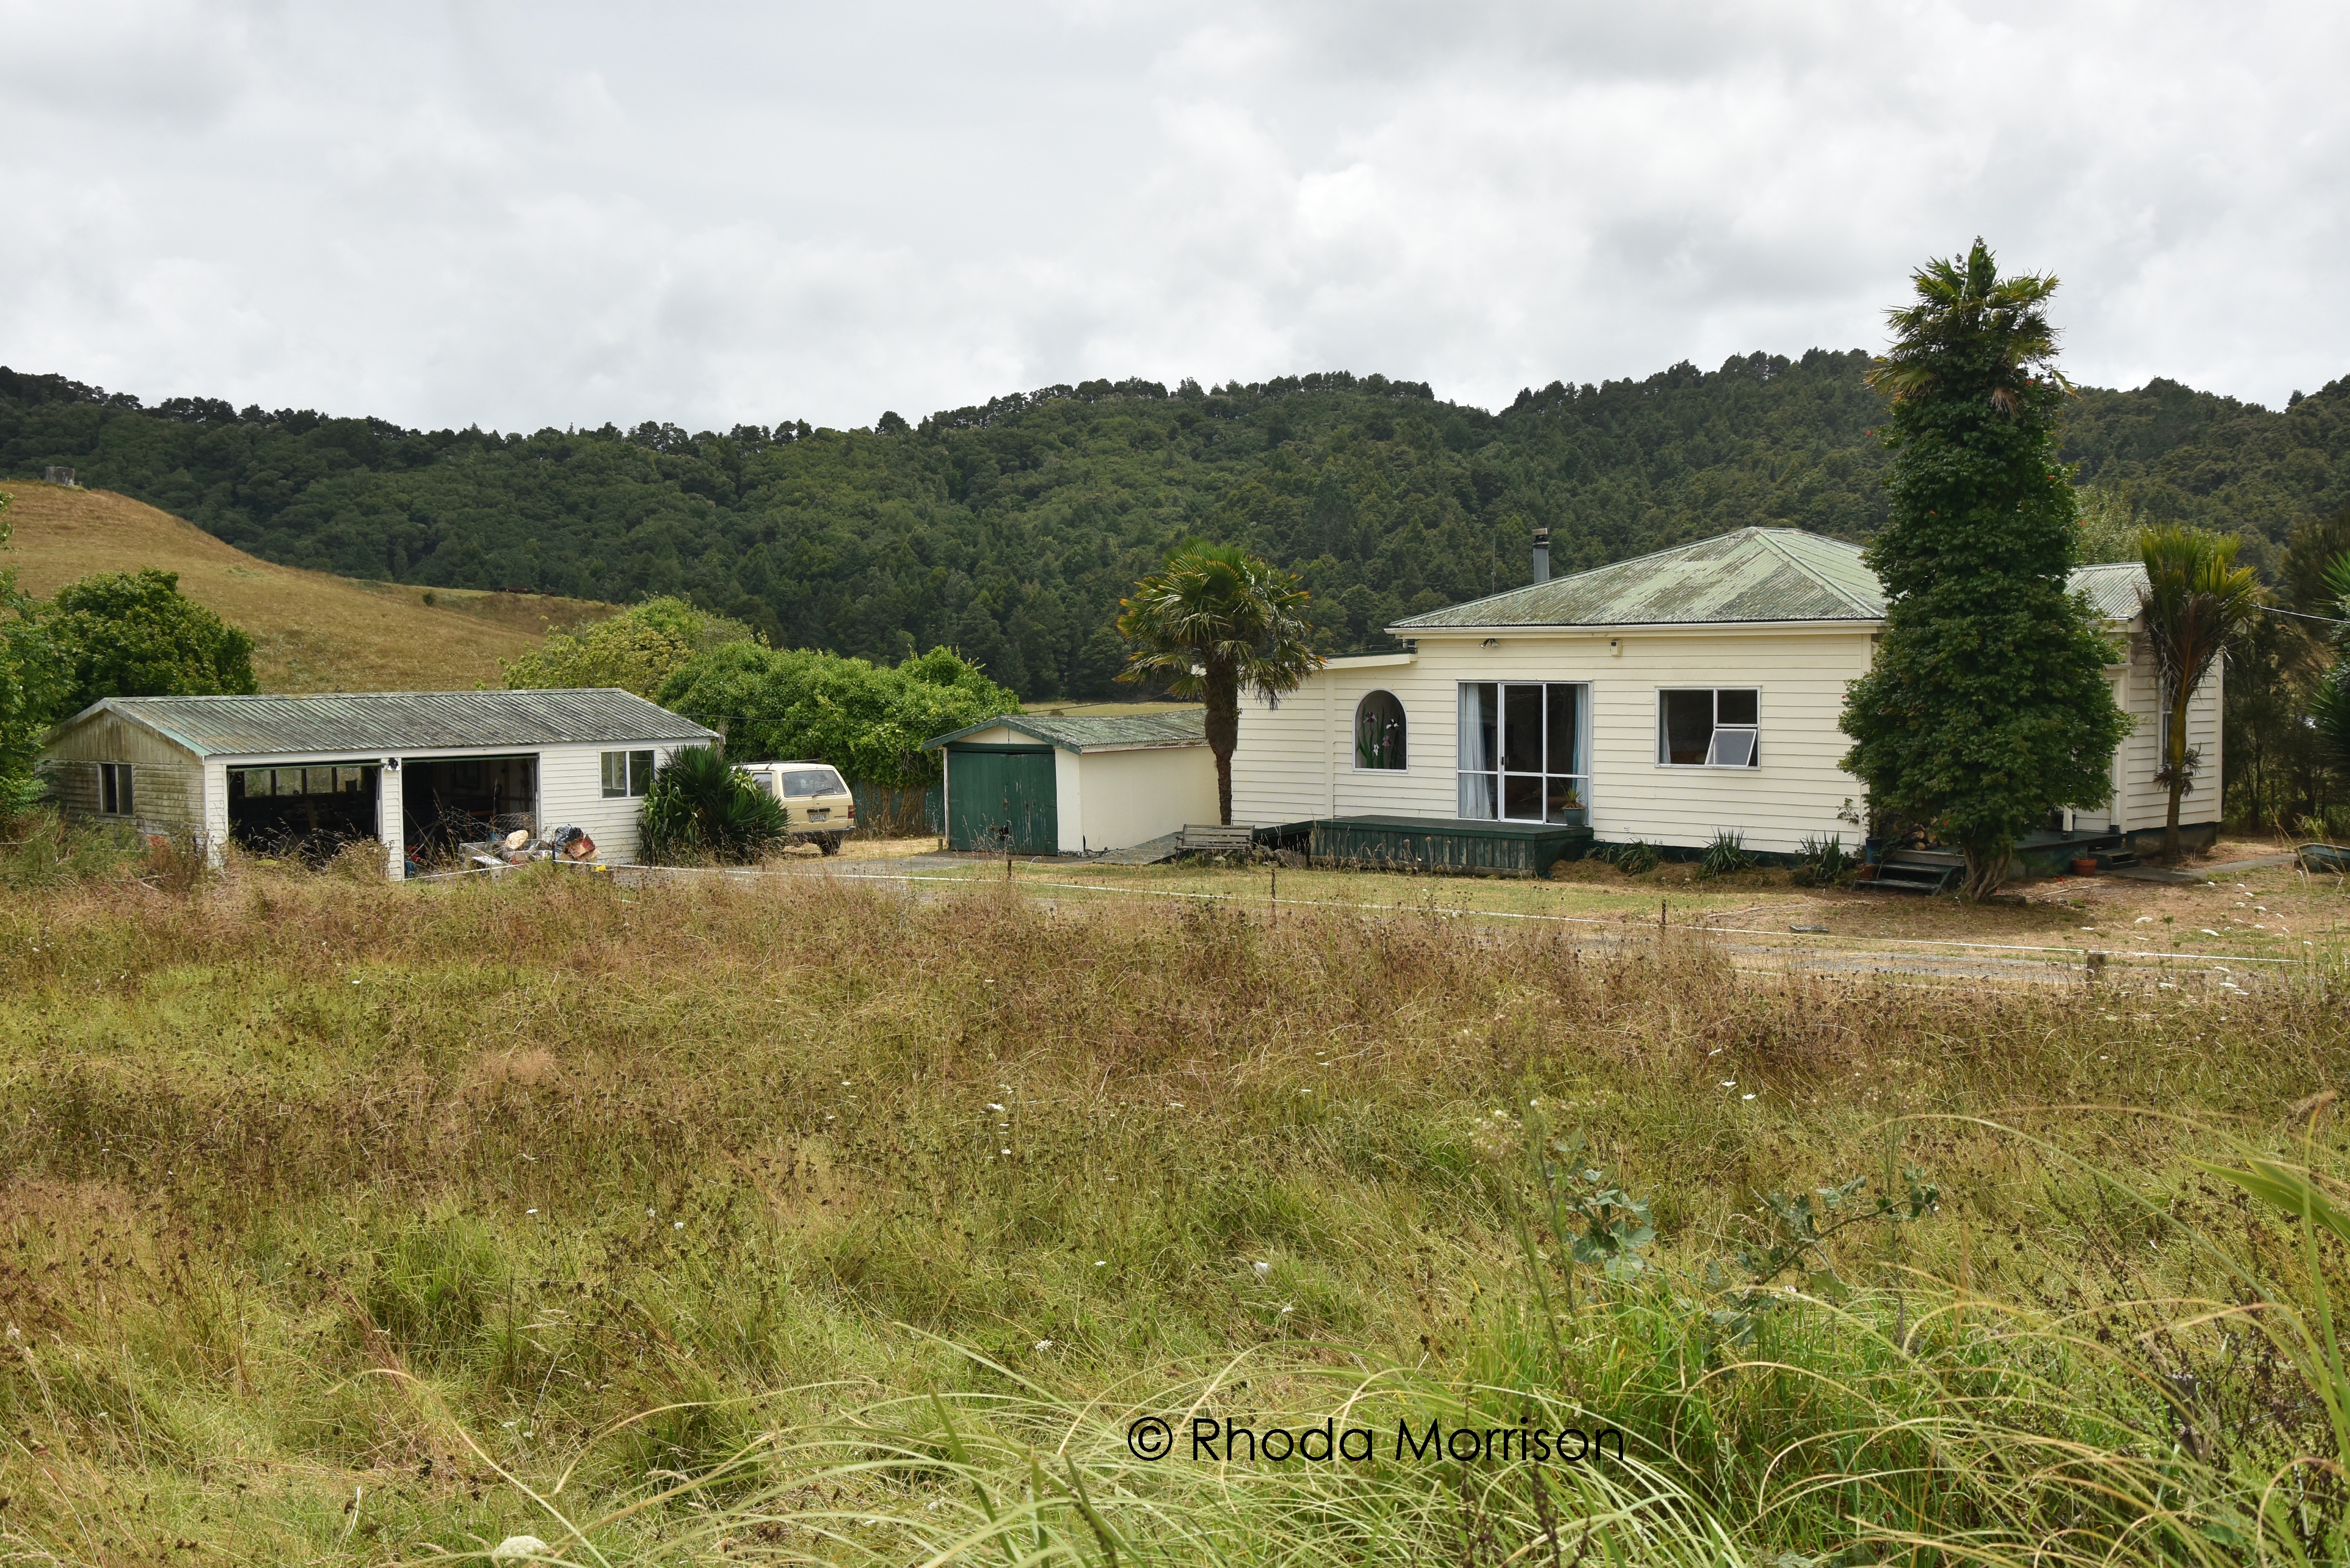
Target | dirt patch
(530,1068)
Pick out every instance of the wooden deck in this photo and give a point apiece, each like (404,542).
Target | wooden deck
(1438,844)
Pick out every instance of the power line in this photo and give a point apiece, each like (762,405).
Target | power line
(2322,620)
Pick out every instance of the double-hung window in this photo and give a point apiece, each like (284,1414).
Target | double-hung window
(627,773)
(114,794)
(1709,727)
(1522,751)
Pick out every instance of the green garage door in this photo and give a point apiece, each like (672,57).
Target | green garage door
(988,786)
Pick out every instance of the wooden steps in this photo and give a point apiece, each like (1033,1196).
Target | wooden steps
(1917,871)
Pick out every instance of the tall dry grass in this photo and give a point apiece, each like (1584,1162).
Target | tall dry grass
(675,1207)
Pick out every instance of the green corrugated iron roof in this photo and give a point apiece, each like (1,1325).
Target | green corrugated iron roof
(348,722)
(1738,578)
(1753,575)
(1185,727)
(2113,588)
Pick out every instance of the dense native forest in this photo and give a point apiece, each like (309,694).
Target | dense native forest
(1010,530)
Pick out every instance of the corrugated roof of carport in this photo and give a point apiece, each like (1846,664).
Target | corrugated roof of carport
(343,721)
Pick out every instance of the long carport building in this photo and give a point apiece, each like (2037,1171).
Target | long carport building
(415,770)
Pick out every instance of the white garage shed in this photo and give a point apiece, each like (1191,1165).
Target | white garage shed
(411,769)
(1068,784)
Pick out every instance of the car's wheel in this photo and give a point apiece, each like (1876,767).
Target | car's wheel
(829,843)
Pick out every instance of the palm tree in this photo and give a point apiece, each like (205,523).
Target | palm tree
(2196,601)
(1214,621)
(1970,326)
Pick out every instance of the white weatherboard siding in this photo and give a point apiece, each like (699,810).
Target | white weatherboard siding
(2143,804)
(167,780)
(390,828)
(1133,796)
(1291,759)
(571,790)
(1068,791)
(1297,761)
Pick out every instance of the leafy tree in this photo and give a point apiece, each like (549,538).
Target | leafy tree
(636,650)
(2197,602)
(868,720)
(1012,528)
(2277,769)
(2313,553)
(1214,622)
(2330,713)
(699,807)
(134,634)
(2109,527)
(30,686)
(1986,706)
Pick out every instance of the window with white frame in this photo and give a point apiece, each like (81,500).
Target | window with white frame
(256,783)
(114,796)
(627,773)
(1379,732)
(1709,727)
(1524,747)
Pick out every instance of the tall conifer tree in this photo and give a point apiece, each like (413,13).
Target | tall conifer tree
(1986,706)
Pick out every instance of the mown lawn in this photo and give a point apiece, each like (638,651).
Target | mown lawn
(348,1221)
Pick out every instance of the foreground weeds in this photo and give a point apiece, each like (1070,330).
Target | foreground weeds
(795,1220)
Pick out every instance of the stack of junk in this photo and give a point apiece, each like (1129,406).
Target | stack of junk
(520,848)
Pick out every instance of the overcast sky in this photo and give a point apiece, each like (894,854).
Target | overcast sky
(527,215)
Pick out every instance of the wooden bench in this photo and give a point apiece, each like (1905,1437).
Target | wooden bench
(1213,836)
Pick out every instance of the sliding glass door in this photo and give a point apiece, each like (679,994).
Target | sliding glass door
(1523,749)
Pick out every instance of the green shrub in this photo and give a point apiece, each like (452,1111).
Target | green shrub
(1725,856)
(1632,860)
(1821,860)
(701,809)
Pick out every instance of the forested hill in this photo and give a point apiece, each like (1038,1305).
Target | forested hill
(1010,530)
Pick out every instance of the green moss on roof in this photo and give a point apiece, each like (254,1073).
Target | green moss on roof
(277,726)
(1184,727)
(1755,574)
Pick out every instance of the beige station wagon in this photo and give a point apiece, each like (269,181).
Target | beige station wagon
(816,801)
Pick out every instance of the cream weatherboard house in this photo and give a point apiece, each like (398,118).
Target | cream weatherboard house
(1664,699)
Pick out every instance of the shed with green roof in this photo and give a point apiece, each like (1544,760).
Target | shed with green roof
(1069,784)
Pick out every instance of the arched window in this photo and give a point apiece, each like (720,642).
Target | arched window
(1379,732)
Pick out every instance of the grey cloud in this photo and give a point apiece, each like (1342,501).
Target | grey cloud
(528,215)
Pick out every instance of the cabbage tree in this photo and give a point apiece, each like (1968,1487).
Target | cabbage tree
(2197,600)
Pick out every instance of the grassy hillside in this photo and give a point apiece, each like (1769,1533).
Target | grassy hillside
(312,632)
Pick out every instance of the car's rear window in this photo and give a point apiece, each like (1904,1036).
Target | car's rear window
(813,781)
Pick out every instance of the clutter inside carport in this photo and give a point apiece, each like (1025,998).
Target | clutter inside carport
(520,848)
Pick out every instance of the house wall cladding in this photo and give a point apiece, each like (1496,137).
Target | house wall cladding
(167,782)
(2145,804)
(1296,761)
(571,789)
